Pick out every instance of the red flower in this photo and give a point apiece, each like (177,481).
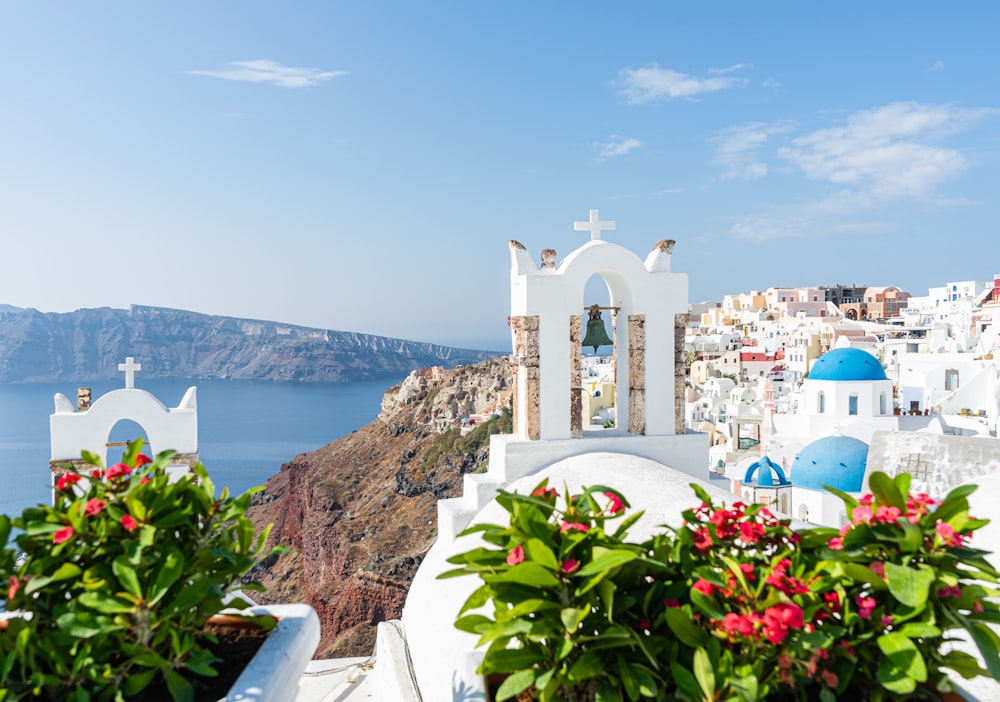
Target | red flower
(93,506)
(118,470)
(64,534)
(837,543)
(573,526)
(141,460)
(751,532)
(66,480)
(143,480)
(546,493)
(13,585)
(702,539)
(829,677)
(128,521)
(832,600)
(671,603)
(734,623)
(779,619)
(570,565)
(616,505)
(704,587)
(862,514)
(97,473)
(516,555)
(887,514)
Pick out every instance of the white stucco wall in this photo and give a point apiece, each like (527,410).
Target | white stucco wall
(73,431)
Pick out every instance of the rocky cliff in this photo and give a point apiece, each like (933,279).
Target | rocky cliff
(89,343)
(360,513)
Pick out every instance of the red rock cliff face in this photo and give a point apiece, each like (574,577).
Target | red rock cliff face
(360,513)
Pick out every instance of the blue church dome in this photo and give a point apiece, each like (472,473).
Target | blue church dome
(837,461)
(847,364)
(768,474)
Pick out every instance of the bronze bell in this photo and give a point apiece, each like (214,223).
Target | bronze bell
(596,333)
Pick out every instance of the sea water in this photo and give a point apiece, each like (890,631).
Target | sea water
(246,429)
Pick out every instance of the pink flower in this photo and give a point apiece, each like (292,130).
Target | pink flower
(887,514)
(63,535)
(570,565)
(865,606)
(837,543)
(616,505)
(829,677)
(862,514)
(832,600)
(704,587)
(977,607)
(143,480)
(118,470)
(948,534)
(93,507)
(67,480)
(573,526)
(546,493)
(886,620)
(141,460)
(13,585)
(128,521)
(878,568)
(516,555)
(953,591)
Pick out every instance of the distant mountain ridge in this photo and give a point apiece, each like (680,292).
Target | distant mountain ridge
(90,343)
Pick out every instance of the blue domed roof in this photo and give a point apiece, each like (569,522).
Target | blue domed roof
(769,474)
(837,461)
(847,364)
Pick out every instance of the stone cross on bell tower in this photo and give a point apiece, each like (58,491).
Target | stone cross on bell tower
(594,225)
(129,368)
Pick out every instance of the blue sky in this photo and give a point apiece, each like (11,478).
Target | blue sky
(361,166)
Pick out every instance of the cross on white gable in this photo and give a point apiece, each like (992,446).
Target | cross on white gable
(595,225)
(129,368)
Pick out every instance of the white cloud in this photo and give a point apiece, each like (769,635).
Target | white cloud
(738,147)
(617,146)
(641,85)
(264,71)
(936,66)
(877,158)
(887,151)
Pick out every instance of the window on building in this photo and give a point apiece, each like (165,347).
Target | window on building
(821,402)
(881,403)
(852,404)
(951,379)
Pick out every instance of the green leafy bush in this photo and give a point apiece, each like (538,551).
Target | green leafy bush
(734,604)
(117,579)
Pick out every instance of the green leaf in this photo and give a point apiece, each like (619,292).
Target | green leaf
(685,681)
(920,630)
(587,666)
(904,655)
(964,664)
(571,618)
(65,571)
(537,551)
(105,604)
(744,683)
(180,689)
(127,576)
(607,560)
(473,623)
(706,604)
(885,490)
(704,673)
(83,625)
(167,574)
(515,684)
(689,633)
(509,660)
(988,644)
(909,585)
(527,573)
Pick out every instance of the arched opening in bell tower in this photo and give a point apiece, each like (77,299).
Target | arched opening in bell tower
(599,348)
(121,434)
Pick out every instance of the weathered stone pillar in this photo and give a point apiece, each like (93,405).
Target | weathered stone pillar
(680,374)
(636,374)
(526,355)
(575,376)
